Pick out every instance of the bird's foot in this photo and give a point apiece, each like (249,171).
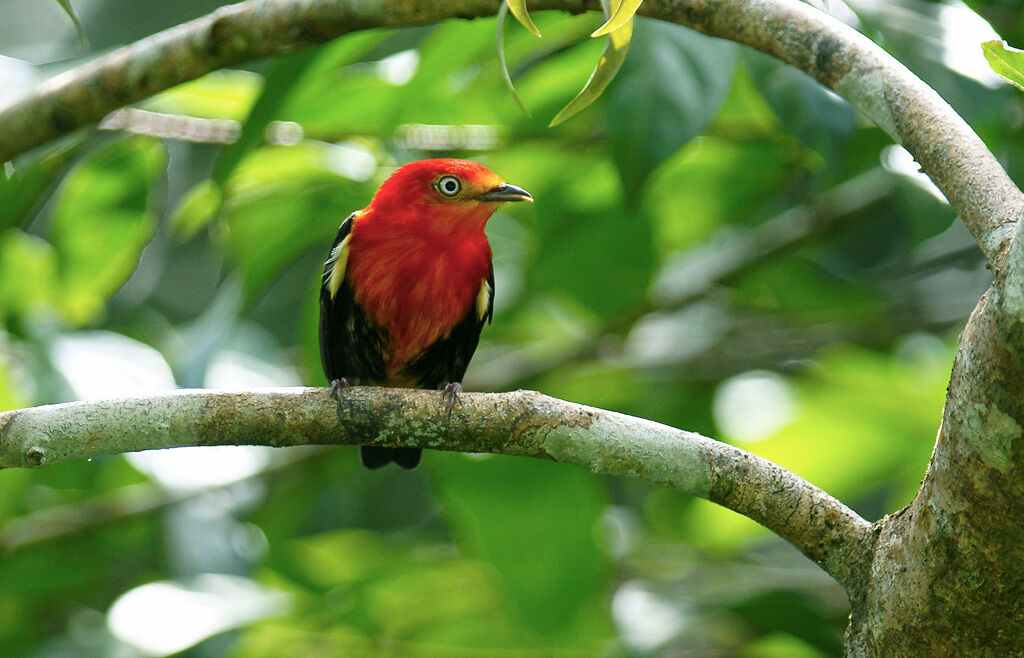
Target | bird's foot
(451,396)
(339,385)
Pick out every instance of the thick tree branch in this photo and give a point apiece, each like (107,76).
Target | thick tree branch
(519,423)
(830,51)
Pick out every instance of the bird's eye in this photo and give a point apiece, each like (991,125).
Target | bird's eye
(449,186)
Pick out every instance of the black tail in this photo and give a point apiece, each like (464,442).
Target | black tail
(374,457)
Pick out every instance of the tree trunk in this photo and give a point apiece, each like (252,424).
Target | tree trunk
(945,578)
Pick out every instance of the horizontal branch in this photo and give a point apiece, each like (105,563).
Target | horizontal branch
(518,423)
(830,51)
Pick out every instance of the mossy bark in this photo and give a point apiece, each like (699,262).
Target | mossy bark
(946,577)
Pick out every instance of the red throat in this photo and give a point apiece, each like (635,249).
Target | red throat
(417,274)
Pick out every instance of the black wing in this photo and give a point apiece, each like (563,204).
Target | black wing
(447,359)
(350,346)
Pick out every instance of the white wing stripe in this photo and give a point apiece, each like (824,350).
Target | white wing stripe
(334,270)
(483,300)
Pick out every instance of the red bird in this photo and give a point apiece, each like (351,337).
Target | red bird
(408,284)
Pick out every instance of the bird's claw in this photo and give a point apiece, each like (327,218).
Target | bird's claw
(451,396)
(337,386)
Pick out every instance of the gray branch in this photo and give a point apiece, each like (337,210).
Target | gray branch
(830,51)
(519,423)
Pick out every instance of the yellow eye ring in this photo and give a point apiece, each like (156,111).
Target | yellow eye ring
(448,186)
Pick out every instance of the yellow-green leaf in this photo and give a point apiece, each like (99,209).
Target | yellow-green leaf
(611,61)
(518,9)
(79,28)
(622,15)
(196,209)
(502,14)
(1006,61)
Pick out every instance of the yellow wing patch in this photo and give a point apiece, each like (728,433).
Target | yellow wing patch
(334,270)
(483,300)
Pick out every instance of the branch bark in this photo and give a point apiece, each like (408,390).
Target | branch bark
(518,423)
(833,53)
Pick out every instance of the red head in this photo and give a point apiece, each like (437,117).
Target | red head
(448,193)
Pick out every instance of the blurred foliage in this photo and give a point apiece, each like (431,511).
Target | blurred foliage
(187,249)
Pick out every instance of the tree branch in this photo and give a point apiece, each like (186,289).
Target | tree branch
(833,53)
(518,423)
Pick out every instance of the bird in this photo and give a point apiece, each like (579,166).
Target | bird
(408,285)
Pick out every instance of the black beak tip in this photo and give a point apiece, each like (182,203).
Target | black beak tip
(507,192)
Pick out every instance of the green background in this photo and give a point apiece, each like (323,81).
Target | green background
(131,262)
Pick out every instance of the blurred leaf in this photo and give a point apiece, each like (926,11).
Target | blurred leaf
(11,395)
(782,611)
(342,557)
(22,191)
(782,645)
(502,13)
(438,602)
(437,91)
(283,75)
(79,28)
(280,82)
(819,118)
(1006,61)
(700,188)
(535,523)
(876,415)
(582,229)
(666,94)
(197,208)
(28,273)
(224,94)
(612,59)
(622,15)
(518,8)
(807,293)
(101,221)
(282,200)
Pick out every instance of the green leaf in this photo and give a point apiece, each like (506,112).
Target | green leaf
(101,221)
(23,191)
(79,28)
(547,556)
(518,9)
(282,79)
(608,66)
(282,201)
(704,179)
(502,14)
(676,81)
(817,117)
(224,94)
(1006,61)
(196,209)
(284,74)
(28,273)
(622,15)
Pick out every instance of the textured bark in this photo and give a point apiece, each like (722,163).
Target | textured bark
(946,576)
(519,423)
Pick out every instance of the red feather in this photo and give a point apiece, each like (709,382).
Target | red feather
(417,260)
